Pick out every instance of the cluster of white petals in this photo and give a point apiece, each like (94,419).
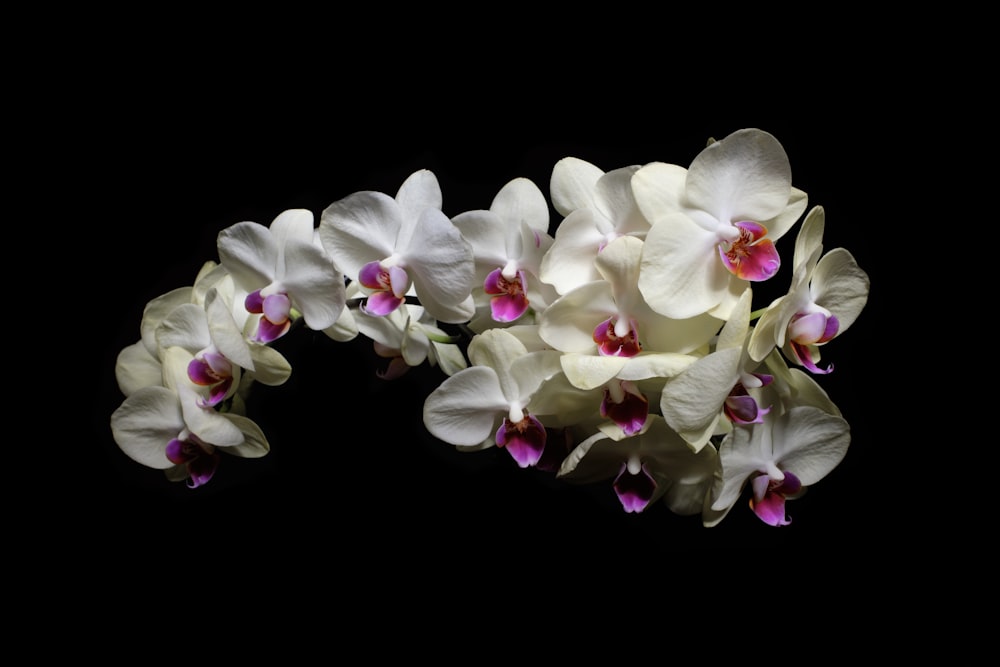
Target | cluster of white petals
(623,349)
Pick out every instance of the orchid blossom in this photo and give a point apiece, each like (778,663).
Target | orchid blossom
(655,463)
(489,403)
(283,271)
(391,245)
(613,339)
(598,208)
(508,242)
(779,458)
(716,232)
(827,294)
(713,392)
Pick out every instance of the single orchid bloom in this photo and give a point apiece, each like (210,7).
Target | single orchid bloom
(612,339)
(283,273)
(138,365)
(609,317)
(655,463)
(489,403)
(598,208)
(392,245)
(779,458)
(827,294)
(715,234)
(717,386)
(169,426)
(508,242)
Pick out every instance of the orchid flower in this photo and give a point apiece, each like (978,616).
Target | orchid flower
(655,463)
(170,426)
(779,458)
(717,385)
(138,365)
(282,270)
(489,403)
(598,208)
(508,242)
(391,245)
(712,236)
(826,296)
(613,339)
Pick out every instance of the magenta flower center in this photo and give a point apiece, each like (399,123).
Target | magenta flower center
(615,341)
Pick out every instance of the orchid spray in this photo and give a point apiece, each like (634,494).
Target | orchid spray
(624,349)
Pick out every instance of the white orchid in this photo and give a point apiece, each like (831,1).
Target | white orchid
(827,294)
(779,458)
(598,208)
(490,402)
(393,244)
(281,269)
(508,243)
(714,234)
(655,463)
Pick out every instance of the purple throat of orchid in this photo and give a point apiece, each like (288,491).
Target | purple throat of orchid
(275,314)
(752,256)
(200,461)
(509,298)
(388,287)
(769,496)
(634,490)
(614,340)
(523,440)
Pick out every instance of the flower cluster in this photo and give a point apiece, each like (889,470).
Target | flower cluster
(623,349)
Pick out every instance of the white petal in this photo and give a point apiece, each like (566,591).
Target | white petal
(185,327)
(840,286)
(589,371)
(465,408)
(314,284)
(296,223)
(224,332)
(681,274)
(616,202)
(136,368)
(655,365)
(487,234)
(440,262)
(810,443)
(691,402)
(156,311)
(145,423)
(249,252)
(421,190)
(568,323)
(740,457)
(520,201)
(659,189)
(254,443)
(359,229)
(745,176)
(573,185)
(569,261)
(270,366)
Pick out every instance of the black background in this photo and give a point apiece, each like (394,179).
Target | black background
(161,163)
